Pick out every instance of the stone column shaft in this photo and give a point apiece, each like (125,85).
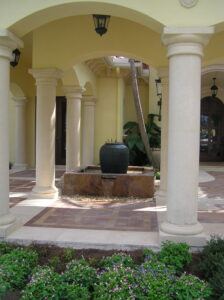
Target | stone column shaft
(73,126)
(89,103)
(46,81)
(163,74)
(20,133)
(8,42)
(185,49)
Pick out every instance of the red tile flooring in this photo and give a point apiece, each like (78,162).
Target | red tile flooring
(108,216)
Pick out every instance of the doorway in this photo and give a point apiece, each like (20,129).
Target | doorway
(60,135)
(212,130)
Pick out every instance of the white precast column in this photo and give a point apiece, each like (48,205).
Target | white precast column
(20,133)
(73,95)
(8,42)
(46,82)
(185,49)
(161,196)
(89,103)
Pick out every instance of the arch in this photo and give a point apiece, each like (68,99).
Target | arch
(52,47)
(42,13)
(89,91)
(70,77)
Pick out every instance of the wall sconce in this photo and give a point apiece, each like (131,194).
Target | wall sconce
(101,23)
(214,88)
(16,56)
(159,95)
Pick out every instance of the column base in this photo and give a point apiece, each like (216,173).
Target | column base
(175,229)
(44,192)
(196,241)
(8,224)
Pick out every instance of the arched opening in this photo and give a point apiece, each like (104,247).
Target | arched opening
(212,130)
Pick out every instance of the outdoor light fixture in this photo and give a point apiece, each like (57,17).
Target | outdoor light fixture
(214,88)
(16,57)
(159,94)
(101,23)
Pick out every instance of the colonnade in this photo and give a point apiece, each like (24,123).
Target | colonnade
(180,128)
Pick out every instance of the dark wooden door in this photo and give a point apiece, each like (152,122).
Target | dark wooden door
(212,130)
(60,137)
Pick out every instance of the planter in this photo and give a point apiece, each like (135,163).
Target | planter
(114,158)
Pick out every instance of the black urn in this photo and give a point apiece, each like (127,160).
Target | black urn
(114,158)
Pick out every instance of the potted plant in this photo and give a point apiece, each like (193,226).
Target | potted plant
(134,142)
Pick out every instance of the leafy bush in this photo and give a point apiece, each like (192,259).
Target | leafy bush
(4,287)
(68,254)
(149,254)
(16,266)
(80,273)
(176,255)
(118,259)
(43,285)
(155,280)
(212,257)
(115,283)
(189,287)
(5,248)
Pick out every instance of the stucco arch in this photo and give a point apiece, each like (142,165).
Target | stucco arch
(89,91)
(70,77)
(16,91)
(53,48)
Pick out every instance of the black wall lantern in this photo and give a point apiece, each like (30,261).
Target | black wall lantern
(101,23)
(15,57)
(159,94)
(214,88)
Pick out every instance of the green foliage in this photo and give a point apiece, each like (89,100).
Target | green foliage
(16,266)
(189,287)
(54,262)
(68,254)
(80,273)
(175,255)
(212,265)
(157,175)
(133,140)
(5,248)
(154,281)
(115,283)
(118,259)
(4,287)
(47,284)
(44,284)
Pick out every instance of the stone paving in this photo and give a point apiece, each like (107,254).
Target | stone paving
(104,214)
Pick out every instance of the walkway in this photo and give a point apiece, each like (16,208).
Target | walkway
(105,223)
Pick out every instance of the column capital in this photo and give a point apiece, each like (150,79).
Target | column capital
(73,91)
(89,100)
(48,76)
(186,40)
(20,100)
(8,42)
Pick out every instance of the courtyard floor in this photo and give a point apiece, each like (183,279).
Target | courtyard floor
(87,222)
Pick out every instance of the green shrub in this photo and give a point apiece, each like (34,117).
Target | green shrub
(155,280)
(115,283)
(212,257)
(4,287)
(80,273)
(118,259)
(54,262)
(5,248)
(47,284)
(175,255)
(16,266)
(189,287)
(149,254)
(44,284)
(68,254)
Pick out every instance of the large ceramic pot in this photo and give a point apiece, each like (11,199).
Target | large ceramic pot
(114,158)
